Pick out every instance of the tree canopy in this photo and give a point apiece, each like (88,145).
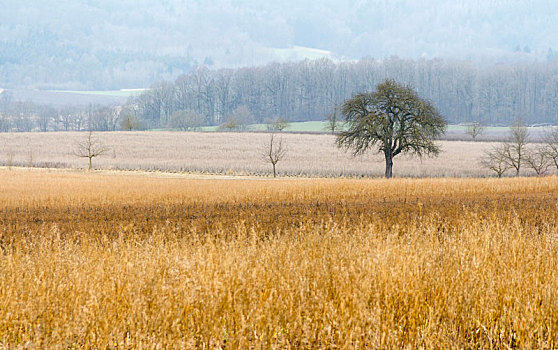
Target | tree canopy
(395,120)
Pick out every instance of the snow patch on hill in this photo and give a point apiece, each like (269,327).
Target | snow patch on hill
(301,53)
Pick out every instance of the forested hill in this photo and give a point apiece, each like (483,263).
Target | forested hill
(106,44)
(308,90)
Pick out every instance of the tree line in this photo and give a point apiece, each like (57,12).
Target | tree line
(26,116)
(308,90)
(311,89)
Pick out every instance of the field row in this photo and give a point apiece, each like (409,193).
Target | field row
(232,153)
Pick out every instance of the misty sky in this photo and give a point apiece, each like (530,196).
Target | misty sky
(375,28)
(155,38)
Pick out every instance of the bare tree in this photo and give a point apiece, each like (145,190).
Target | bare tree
(113,117)
(274,151)
(515,147)
(100,117)
(67,117)
(45,116)
(230,125)
(333,120)
(239,119)
(277,124)
(538,160)
(551,142)
(90,148)
(128,116)
(163,98)
(495,160)
(474,129)
(186,120)
(129,122)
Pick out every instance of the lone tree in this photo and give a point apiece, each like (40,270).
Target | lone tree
(474,129)
(90,148)
(395,119)
(274,151)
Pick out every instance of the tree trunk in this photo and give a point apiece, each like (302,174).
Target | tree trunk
(274,172)
(389,165)
(90,163)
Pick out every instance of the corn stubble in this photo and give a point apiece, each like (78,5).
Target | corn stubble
(99,261)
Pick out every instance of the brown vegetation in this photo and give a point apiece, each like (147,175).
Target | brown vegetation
(96,261)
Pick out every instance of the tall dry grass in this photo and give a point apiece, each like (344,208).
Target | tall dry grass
(96,261)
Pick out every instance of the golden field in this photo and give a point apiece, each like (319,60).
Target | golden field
(92,260)
(234,154)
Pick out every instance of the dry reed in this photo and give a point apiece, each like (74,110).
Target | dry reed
(97,261)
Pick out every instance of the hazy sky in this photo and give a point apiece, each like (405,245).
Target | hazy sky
(159,36)
(348,28)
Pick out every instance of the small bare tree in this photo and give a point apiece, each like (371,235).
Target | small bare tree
(551,142)
(240,118)
(515,147)
(186,120)
(90,148)
(129,122)
(277,124)
(495,160)
(538,160)
(474,129)
(333,120)
(274,151)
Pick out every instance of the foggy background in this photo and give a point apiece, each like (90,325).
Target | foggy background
(106,44)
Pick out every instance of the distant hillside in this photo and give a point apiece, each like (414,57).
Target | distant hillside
(105,44)
(65,98)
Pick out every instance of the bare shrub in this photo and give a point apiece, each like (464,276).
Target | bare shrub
(551,141)
(90,148)
(474,129)
(277,124)
(538,160)
(495,159)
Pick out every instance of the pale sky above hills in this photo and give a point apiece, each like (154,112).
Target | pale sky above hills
(134,35)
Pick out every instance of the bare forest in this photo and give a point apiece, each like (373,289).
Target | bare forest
(310,90)
(306,90)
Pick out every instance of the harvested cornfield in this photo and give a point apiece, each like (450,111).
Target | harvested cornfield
(92,260)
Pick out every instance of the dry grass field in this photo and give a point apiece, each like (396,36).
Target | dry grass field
(90,260)
(232,153)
